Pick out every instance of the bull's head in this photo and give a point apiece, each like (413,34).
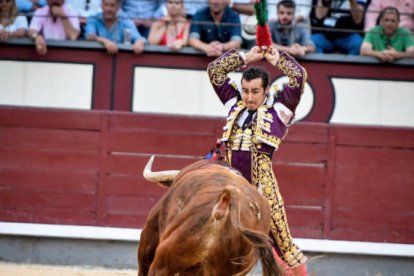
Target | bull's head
(164,178)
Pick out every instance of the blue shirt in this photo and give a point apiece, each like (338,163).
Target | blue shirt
(96,26)
(207,33)
(142,9)
(27,5)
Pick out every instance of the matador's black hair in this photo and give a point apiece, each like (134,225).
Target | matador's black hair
(256,72)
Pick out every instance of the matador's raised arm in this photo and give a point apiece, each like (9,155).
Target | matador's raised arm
(293,90)
(218,70)
(226,90)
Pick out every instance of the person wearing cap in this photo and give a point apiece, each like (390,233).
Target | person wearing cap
(257,122)
(109,28)
(215,29)
(289,36)
(57,20)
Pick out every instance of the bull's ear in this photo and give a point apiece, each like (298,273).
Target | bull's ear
(161,176)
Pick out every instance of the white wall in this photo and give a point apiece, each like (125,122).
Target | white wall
(46,84)
(188,92)
(373,102)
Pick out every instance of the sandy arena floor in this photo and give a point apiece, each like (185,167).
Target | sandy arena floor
(12,269)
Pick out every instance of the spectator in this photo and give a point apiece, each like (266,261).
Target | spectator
(332,22)
(172,30)
(248,18)
(108,28)
(85,8)
(388,42)
(142,13)
(57,20)
(245,8)
(30,5)
(405,7)
(192,6)
(11,24)
(220,34)
(302,10)
(287,35)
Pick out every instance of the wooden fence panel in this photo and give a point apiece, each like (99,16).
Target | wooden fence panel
(49,165)
(85,168)
(373,185)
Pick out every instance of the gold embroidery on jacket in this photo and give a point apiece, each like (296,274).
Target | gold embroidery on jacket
(263,178)
(231,120)
(262,129)
(291,70)
(219,69)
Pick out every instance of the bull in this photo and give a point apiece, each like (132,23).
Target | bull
(210,221)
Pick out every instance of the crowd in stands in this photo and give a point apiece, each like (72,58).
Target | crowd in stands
(378,28)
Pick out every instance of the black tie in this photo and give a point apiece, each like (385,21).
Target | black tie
(249,118)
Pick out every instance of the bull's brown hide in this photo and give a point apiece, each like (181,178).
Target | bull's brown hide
(210,221)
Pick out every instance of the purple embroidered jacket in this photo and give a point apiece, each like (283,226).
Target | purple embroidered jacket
(273,118)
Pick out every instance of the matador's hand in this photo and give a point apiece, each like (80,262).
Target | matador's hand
(272,55)
(255,54)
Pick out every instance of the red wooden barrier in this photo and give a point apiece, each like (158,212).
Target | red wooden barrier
(85,168)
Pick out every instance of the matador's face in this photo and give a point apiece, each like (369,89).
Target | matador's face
(253,93)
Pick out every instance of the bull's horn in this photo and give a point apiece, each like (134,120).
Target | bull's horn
(162,176)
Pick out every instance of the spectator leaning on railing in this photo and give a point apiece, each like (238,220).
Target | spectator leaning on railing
(109,28)
(54,21)
(172,30)
(11,24)
(215,29)
(336,25)
(294,38)
(388,42)
(405,7)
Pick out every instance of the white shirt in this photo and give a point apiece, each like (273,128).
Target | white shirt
(85,9)
(19,23)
